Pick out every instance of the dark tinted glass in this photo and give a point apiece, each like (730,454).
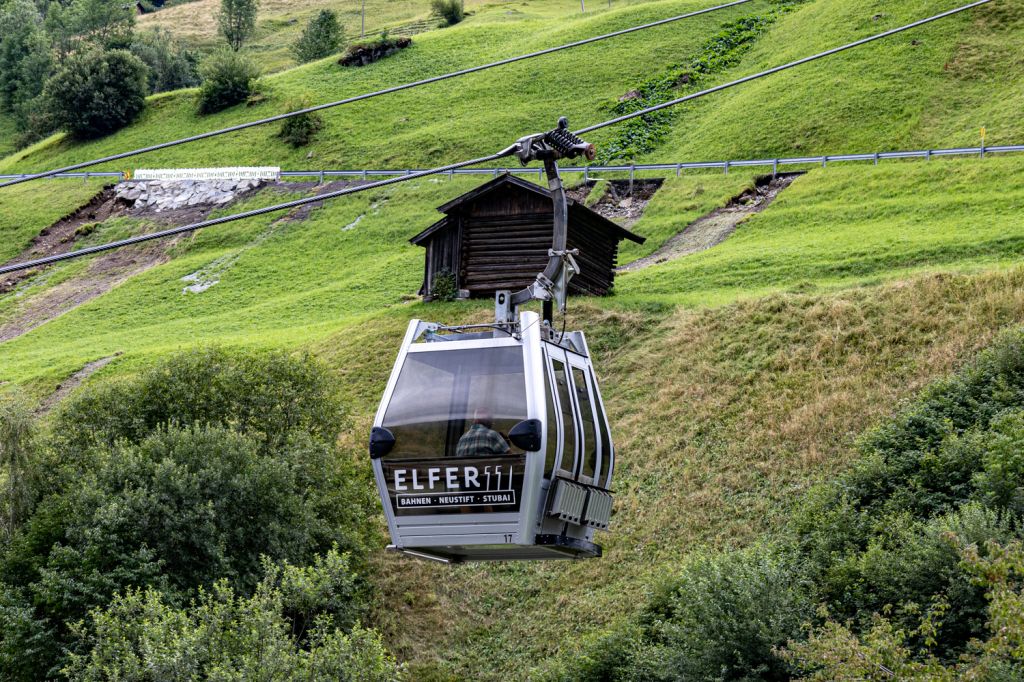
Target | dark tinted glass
(607,456)
(589,444)
(441,394)
(568,418)
(551,448)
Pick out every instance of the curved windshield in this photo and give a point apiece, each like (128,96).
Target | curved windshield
(457,403)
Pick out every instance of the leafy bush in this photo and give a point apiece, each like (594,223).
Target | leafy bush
(450,11)
(225,635)
(25,58)
(229,78)
(321,38)
(96,92)
(237,21)
(298,131)
(875,549)
(721,618)
(170,65)
(442,287)
(185,474)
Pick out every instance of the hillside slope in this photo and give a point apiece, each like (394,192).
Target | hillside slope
(735,378)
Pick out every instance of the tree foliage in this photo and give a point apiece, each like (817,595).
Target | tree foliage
(913,556)
(321,38)
(203,468)
(222,634)
(170,65)
(237,21)
(451,12)
(97,92)
(229,78)
(25,58)
(87,24)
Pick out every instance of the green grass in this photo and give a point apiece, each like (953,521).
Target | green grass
(735,378)
(931,87)
(461,118)
(28,208)
(848,225)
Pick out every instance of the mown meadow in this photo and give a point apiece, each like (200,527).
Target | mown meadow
(763,393)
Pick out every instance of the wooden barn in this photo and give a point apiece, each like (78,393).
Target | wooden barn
(498,236)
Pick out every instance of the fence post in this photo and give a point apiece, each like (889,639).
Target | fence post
(632,174)
(824,161)
(775,167)
(364,175)
(876,158)
(679,169)
(321,177)
(726,167)
(983,149)
(586,174)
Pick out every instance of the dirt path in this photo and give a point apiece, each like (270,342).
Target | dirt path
(715,227)
(74,381)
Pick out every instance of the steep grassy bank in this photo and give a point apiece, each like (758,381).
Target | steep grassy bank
(932,87)
(722,417)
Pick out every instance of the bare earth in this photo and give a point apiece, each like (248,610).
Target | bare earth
(715,227)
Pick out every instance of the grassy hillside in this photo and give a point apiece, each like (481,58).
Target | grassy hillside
(735,378)
(280,22)
(893,94)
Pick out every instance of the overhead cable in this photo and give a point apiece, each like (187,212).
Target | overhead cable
(247,214)
(369,95)
(455,166)
(790,65)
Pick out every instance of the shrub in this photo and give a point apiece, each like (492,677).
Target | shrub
(25,58)
(451,12)
(229,78)
(97,92)
(237,21)
(721,618)
(190,472)
(225,635)
(442,287)
(298,131)
(170,66)
(321,38)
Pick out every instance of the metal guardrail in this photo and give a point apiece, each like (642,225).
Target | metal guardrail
(775,164)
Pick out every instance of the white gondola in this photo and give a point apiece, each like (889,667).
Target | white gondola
(494,444)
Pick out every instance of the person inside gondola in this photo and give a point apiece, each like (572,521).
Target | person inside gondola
(481,439)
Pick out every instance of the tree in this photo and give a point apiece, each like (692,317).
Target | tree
(321,38)
(17,431)
(25,58)
(225,635)
(97,92)
(170,65)
(190,472)
(450,11)
(106,24)
(237,20)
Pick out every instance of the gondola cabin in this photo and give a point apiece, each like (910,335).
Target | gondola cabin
(498,235)
(493,445)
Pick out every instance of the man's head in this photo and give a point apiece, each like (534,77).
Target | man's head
(483,416)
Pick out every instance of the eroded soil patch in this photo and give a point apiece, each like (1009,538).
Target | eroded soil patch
(715,227)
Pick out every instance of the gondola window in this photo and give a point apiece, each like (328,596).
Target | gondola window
(440,395)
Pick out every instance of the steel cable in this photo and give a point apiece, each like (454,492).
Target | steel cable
(790,65)
(247,214)
(442,169)
(369,95)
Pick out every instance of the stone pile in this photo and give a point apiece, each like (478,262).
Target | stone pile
(167,195)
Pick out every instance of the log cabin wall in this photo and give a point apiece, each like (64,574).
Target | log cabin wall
(498,238)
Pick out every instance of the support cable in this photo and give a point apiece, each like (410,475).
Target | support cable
(248,214)
(509,151)
(790,65)
(369,95)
